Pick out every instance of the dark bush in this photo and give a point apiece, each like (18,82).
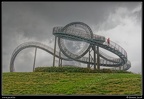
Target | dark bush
(77,69)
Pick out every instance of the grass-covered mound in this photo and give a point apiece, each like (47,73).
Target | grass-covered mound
(68,83)
(76,69)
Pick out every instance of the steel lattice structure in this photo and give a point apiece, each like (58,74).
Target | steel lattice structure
(79,31)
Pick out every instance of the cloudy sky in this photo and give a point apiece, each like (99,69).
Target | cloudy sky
(34,21)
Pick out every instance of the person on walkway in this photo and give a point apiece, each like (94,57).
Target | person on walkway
(108,41)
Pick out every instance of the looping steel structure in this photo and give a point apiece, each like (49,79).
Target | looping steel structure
(79,31)
(71,32)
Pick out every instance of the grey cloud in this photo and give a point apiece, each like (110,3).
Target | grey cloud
(34,21)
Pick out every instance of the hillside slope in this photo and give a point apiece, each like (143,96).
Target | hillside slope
(65,83)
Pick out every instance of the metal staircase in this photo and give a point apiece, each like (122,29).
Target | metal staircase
(71,33)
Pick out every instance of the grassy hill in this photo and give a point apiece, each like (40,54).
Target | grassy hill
(70,83)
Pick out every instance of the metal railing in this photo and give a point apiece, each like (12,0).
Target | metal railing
(70,32)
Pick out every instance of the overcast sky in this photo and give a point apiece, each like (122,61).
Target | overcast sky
(34,21)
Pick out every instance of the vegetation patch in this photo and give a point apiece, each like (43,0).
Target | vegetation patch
(70,83)
(77,69)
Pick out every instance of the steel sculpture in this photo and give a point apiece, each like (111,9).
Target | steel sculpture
(79,31)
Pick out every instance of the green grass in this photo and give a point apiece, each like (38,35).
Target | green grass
(70,83)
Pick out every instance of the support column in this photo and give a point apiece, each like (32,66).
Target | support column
(60,60)
(88,65)
(120,68)
(98,58)
(34,59)
(54,52)
(94,50)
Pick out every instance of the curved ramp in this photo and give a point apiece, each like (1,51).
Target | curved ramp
(49,50)
(73,32)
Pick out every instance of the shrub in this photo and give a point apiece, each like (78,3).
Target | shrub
(76,69)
